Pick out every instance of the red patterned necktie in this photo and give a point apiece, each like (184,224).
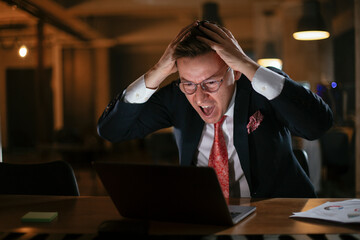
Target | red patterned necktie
(219,157)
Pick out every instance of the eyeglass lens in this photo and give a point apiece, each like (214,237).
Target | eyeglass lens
(208,86)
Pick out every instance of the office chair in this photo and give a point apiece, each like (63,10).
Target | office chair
(335,149)
(302,158)
(49,178)
(336,155)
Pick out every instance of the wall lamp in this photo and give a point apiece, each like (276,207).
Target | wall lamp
(23,51)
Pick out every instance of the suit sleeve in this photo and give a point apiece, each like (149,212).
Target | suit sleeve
(124,121)
(302,111)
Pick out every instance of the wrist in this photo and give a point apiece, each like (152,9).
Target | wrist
(154,77)
(248,67)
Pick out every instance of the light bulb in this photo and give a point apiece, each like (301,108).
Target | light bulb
(270,62)
(311,35)
(23,51)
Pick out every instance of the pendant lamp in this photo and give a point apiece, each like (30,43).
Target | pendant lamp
(311,25)
(211,12)
(269,56)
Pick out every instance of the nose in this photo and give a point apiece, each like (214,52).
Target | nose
(200,95)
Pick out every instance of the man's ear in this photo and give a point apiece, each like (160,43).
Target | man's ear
(237,75)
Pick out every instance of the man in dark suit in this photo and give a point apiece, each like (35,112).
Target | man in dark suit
(262,108)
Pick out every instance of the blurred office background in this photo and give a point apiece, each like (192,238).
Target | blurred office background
(77,55)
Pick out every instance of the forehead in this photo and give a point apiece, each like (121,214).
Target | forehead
(199,68)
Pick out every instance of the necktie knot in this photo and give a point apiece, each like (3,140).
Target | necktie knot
(218,129)
(220,122)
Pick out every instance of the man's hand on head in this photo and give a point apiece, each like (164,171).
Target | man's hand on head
(226,46)
(166,65)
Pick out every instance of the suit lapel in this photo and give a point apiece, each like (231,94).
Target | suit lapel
(241,110)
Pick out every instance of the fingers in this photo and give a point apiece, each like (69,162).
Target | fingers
(167,61)
(209,42)
(228,33)
(215,35)
(214,31)
(211,34)
(183,33)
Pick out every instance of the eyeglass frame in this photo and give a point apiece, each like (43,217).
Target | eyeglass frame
(201,84)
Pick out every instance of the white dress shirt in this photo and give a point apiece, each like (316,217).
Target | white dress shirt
(265,82)
(236,173)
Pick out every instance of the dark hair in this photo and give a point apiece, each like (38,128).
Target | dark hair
(190,46)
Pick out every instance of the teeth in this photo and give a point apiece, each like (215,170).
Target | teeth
(205,106)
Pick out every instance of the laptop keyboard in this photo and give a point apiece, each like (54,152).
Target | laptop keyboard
(234,214)
(235,211)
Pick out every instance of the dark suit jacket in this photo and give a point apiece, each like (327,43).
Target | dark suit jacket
(265,154)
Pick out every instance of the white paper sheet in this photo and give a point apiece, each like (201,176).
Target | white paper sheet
(345,211)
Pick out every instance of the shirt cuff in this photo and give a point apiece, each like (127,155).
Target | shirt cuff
(137,92)
(268,83)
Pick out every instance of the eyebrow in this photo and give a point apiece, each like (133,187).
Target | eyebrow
(212,76)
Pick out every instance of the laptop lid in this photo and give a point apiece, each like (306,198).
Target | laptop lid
(167,193)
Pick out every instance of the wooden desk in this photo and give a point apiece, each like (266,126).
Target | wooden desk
(84,214)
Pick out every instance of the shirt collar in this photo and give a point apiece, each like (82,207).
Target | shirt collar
(230,111)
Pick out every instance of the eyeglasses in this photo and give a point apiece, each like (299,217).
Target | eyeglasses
(209,85)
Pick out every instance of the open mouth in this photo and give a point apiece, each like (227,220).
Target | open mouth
(207,110)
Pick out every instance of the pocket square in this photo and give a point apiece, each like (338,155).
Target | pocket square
(254,121)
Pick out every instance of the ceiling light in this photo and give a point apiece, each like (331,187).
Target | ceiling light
(270,62)
(311,35)
(270,58)
(311,25)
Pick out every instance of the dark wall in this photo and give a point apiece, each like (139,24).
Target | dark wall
(129,62)
(344,53)
(79,92)
(23,110)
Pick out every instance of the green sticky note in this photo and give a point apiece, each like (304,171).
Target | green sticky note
(39,216)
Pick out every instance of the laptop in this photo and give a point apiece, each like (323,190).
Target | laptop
(169,193)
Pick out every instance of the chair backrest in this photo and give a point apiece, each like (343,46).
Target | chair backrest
(335,148)
(49,178)
(302,158)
